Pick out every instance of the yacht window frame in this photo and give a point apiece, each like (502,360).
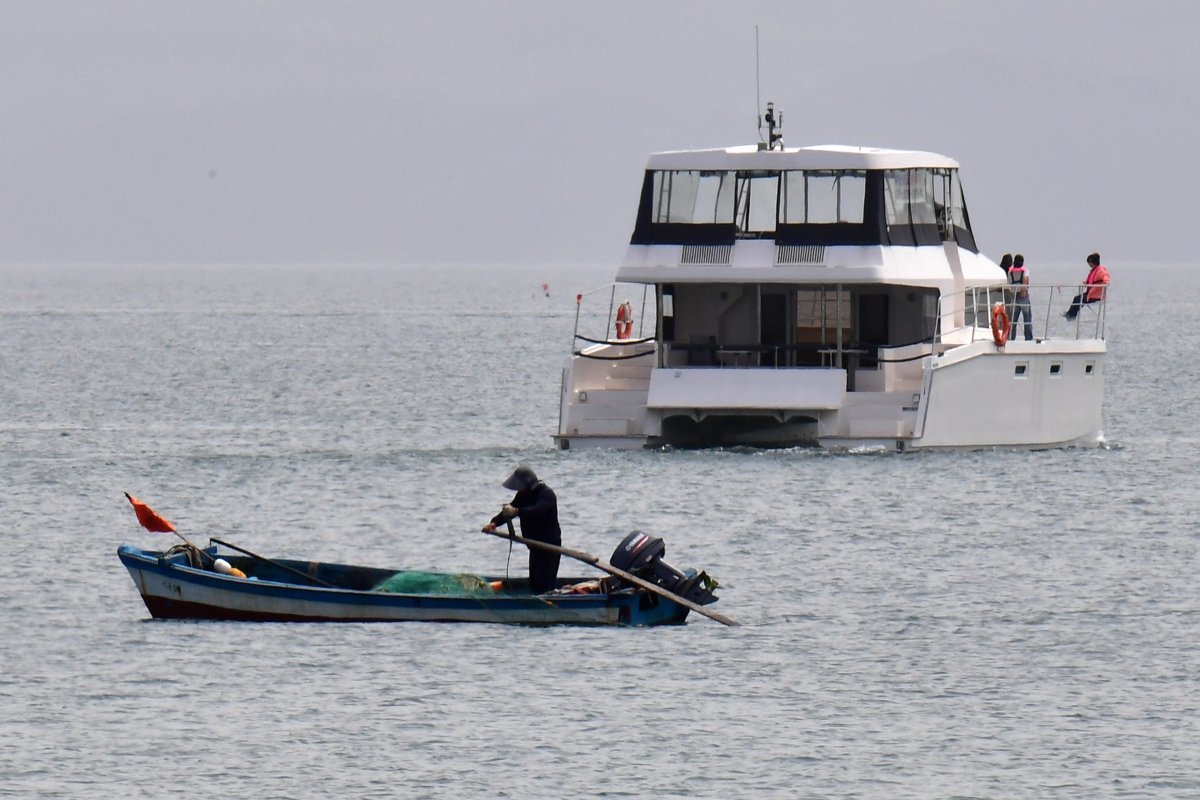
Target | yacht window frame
(751,214)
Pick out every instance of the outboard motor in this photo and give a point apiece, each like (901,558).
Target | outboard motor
(641,555)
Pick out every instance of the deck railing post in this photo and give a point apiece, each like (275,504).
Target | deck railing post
(612,298)
(575,336)
(642,316)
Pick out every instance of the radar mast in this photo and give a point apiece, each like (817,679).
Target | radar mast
(774,128)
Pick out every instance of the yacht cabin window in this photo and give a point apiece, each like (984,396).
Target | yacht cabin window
(693,197)
(757,201)
(822,196)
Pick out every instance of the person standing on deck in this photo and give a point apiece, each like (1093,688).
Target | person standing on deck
(536,505)
(1018,278)
(1095,287)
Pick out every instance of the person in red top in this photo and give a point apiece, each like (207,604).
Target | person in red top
(1094,286)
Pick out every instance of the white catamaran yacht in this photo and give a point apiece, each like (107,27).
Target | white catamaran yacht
(831,296)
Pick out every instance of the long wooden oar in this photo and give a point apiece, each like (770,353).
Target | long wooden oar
(600,564)
(266,560)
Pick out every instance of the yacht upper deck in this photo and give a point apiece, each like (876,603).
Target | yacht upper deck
(825,196)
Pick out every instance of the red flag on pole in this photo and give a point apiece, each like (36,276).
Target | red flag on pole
(150,520)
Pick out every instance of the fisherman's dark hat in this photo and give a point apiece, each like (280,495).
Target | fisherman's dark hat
(523,478)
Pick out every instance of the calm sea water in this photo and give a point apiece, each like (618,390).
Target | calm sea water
(983,624)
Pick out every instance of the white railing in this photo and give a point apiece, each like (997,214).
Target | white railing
(598,315)
(964,320)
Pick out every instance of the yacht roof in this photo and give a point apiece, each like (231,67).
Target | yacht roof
(825,156)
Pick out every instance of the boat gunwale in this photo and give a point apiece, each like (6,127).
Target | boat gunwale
(623,608)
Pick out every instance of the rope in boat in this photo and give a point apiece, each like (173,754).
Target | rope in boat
(195,555)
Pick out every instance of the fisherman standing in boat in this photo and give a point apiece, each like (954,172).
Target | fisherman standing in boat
(537,507)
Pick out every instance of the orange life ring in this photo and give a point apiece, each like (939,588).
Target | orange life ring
(624,320)
(999,324)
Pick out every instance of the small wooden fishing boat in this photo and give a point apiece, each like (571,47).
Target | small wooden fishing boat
(187,582)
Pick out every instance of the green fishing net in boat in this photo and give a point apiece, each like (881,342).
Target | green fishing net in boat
(448,583)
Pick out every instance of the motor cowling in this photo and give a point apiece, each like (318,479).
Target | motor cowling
(642,555)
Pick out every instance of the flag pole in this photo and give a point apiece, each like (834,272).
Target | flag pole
(151,521)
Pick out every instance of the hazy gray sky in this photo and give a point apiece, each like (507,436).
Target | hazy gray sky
(517,132)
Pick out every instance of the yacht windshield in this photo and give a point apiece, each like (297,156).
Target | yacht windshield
(917,206)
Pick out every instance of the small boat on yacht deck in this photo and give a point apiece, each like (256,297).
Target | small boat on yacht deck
(831,296)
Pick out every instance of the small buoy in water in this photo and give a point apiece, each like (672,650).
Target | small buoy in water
(497,586)
(225,568)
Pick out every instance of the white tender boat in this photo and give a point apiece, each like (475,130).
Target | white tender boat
(831,296)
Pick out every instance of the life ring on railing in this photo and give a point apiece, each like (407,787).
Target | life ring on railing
(624,320)
(999,324)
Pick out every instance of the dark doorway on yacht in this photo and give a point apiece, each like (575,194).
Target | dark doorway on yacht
(872,327)
(773,328)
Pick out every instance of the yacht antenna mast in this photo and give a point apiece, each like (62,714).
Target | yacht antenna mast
(757,84)
(769,117)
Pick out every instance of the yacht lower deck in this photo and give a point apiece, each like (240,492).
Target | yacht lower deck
(962,390)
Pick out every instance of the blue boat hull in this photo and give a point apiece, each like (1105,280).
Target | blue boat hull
(172,589)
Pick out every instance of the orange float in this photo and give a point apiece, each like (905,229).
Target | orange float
(624,320)
(1000,325)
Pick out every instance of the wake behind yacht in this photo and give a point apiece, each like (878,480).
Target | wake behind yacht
(831,296)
